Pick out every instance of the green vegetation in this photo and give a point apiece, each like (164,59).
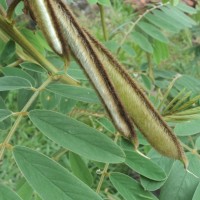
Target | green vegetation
(57,140)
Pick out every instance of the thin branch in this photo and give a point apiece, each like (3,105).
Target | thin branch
(11,8)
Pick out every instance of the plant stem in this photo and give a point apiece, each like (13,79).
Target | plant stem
(136,22)
(2,11)
(11,8)
(105,170)
(19,118)
(150,67)
(102,13)
(12,31)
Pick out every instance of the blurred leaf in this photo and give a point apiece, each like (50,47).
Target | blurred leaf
(138,162)
(49,179)
(163,162)
(3,3)
(77,136)
(129,188)
(13,83)
(142,42)
(7,194)
(185,8)
(92,1)
(147,82)
(187,128)
(8,52)
(8,71)
(4,114)
(181,185)
(24,190)
(49,100)
(197,193)
(197,143)
(73,92)
(107,124)
(33,67)
(66,105)
(5,124)
(104,2)
(152,31)
(79,169)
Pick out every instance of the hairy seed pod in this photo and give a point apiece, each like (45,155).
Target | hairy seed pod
(121,95)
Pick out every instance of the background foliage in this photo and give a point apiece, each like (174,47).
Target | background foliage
(44,115)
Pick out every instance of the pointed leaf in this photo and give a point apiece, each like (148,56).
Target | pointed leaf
(50,180)
(181,184)
(4,114)
(129,188)
(13,83)
(73,92)
(80,169)
(138,163)
(77,136)
(142,42)
(152,31)
(197,193)
(8,194)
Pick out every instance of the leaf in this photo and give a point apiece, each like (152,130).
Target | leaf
(161,23)
(5,124)
(33,67)
(13,83)
(77,137)
(4,114)
(163,162)
(104,2)
(50,180)
(24,190)
(92,1)
(187,128)
(129,188)
(49,100)
(66,105)
(180,184)
(197,193)
(8,52)
(8,71)
(185,8)
(79,169)
(139,164)
(107,124)
(73,92)
(152,31)
(197,143)
(142,42)
(8,194)
(3,3)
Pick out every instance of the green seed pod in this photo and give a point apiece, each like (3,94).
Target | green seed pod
(121,95)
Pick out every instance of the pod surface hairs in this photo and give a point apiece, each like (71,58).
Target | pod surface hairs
(125,102)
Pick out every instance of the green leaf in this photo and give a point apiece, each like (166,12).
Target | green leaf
(107,124)
(152,31)
(8,71)
(13,83)
(24,190)
(5,124)
(161,23)
(8,194)
(139,164)
(79,169)
(50,180)
(129,188)
(92,1)
(66,105)
(187,128)
(73,92)
(3,3)
(33,67)
(142,42)
(8,52)
(163,162)
(185,8)
(197,143)
(49,100)
(77,137)
(4,114)
(197,193)
(181,184)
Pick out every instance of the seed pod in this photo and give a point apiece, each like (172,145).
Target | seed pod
(121,95)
